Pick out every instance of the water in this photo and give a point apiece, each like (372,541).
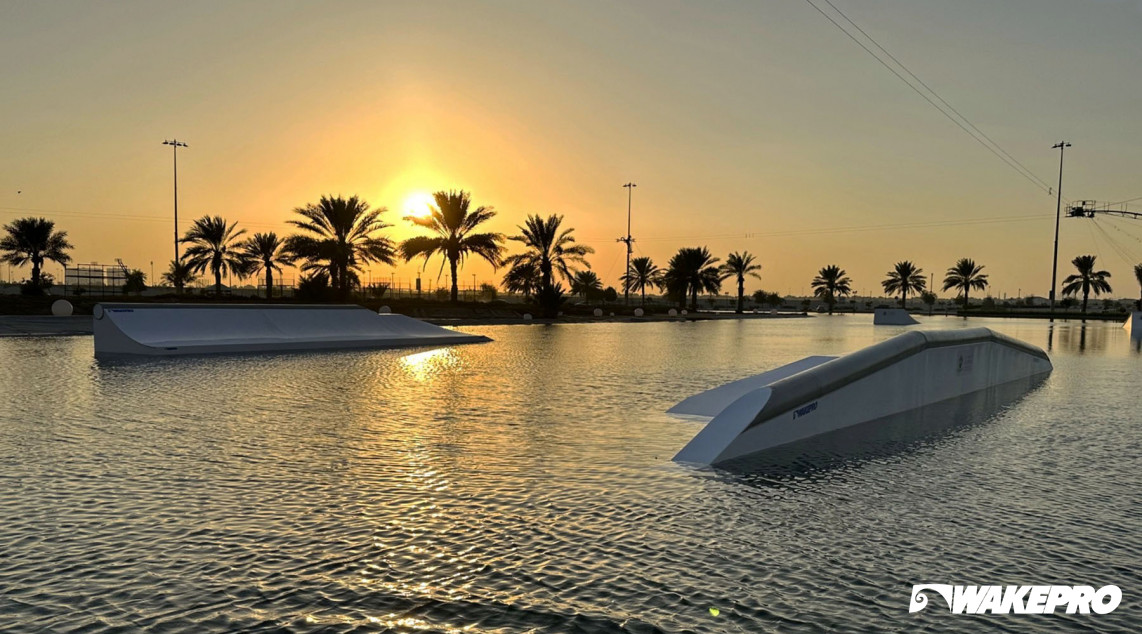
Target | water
(526,486)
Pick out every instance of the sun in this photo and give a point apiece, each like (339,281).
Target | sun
(418,204)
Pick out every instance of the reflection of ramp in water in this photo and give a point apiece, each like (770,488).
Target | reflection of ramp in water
(909,372)
(180,329)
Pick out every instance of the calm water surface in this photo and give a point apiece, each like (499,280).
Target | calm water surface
(526,486)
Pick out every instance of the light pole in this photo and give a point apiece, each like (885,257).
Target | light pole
(628,240)
(1061,146)
(175,145)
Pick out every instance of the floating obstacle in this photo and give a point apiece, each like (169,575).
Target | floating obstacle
(1133,324)
(180,329)
(892,317)
(819,396)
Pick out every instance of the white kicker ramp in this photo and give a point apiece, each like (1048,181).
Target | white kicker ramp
(1133,324)
(180,329)
(892,317)
(909,371)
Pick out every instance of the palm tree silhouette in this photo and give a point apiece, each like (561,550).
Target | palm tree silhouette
(739,265)
(643,273)
(549,249)
(265,252)
(179,274)
(964,276)
(904,278)
(34,240)
(214,246)
(586,283)
(1086,280)
(339,239)
(521,278)
(453,221)
(691,271)
(831,283)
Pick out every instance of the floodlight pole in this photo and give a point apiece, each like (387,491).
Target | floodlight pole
(1061,146)
(628,240)
(175,145)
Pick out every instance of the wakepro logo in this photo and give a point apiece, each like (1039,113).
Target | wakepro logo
(804,410)
(1019,599)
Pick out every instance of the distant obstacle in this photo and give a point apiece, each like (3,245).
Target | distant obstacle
(182,329)
(1133,324)
(892,317)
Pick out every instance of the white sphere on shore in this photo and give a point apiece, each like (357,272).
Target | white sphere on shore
(612,313)
(384,310)
(527,316)
(62,308)
(598,312)
(638,312)
(684,312)
(672,312)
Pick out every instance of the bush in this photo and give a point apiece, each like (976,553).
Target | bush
(314,288)
(550,300)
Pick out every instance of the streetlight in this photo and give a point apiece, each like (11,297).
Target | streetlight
(1061,146)
(628,240)
(175,145)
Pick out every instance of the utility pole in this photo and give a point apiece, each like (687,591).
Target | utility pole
(1061,146)
(628,240)
(175,145)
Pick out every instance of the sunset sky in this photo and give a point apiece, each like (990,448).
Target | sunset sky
(752,126)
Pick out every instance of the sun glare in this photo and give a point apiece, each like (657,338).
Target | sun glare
(418,204)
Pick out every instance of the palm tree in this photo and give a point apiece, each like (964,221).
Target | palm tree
(522,276)
(179,275)
(904,278)
(549,250)
(1138,276)
(265,252)
(34,240)
(831,283)
(586,283)
(739,265)
(966,275)
(453,223)
(339,239)
(691,271)
(1087,279)
(643,272)
(214,245)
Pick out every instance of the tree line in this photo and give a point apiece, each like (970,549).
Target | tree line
(337,237)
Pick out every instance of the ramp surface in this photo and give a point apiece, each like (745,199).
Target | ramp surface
(178,329)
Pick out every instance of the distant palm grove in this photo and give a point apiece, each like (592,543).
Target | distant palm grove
(335,239)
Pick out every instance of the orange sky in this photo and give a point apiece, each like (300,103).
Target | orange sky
(747,126)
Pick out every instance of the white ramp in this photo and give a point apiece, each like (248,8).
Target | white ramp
(1133,324)
(892,317)
(180,329)
(710,403)
(908,372)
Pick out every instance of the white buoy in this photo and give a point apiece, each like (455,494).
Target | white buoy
(527,316)
(598,312)
(638,312)
(672,312)
(384,310)
(62,308)
(684,312)
(612,314)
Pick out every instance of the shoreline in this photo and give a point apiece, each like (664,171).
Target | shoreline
(80,325)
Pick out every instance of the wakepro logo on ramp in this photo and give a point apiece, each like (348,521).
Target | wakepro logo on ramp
(1018,599)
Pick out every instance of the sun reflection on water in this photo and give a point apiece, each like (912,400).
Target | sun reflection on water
(424,366)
